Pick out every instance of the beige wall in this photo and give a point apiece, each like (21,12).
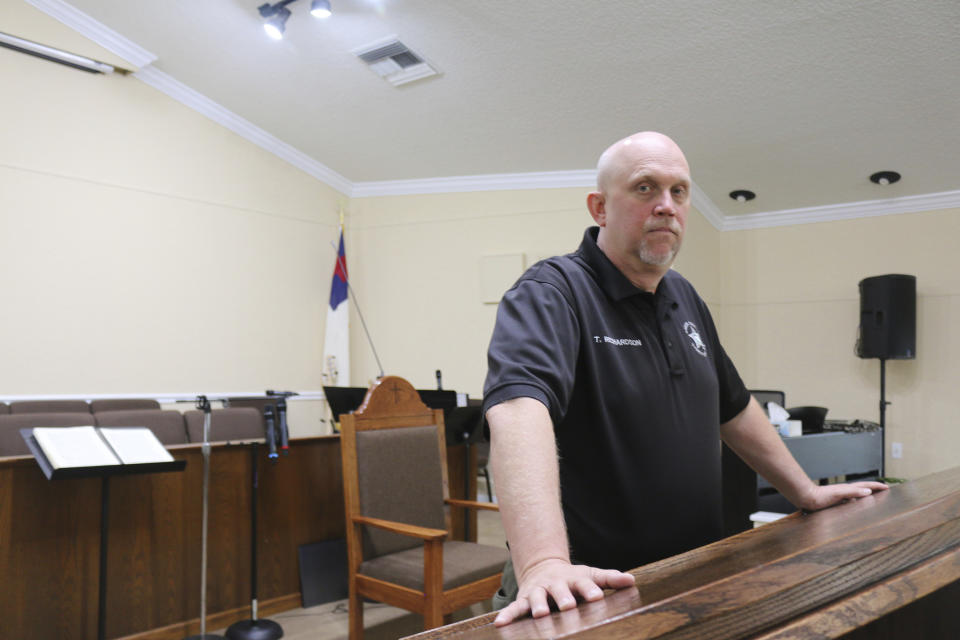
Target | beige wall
(790,313)
(785,299)
(146,249)
(416,268)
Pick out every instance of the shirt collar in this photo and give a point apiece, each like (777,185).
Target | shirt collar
(610,278)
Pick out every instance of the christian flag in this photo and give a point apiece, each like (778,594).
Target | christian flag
(336,346)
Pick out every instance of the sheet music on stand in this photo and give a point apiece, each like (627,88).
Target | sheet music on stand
(78,452)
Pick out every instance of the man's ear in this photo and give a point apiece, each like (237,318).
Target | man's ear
(596,205)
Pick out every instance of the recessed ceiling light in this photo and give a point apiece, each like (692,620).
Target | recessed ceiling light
(742,195)
(884,177)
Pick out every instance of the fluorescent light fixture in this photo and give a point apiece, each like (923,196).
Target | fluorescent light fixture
(320,9)
(54,55)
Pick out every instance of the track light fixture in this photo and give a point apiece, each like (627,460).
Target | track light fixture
(276,15)
(320,8)
(276,25)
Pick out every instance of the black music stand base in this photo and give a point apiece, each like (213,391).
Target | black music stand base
(254,630)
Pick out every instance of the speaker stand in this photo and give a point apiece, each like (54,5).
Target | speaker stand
(883,417)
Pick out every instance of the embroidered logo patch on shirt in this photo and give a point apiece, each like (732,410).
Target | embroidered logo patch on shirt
(619,342)
(695,341)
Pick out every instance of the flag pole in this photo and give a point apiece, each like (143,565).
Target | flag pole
(356,304)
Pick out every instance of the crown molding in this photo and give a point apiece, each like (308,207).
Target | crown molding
(95,31)
(846,211)
(508,181)
(702,203)
(486,182)
(198,102)
(140,57)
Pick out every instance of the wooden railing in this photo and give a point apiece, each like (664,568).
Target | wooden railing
(885,566)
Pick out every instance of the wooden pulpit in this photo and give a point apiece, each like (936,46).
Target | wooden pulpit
(882,567)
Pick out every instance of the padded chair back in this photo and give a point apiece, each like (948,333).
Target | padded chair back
(12,443)
(240,423)
(401,479)
(168,426)
(123,404)
(395,444)
(4,408)
(50,406)
(257,403)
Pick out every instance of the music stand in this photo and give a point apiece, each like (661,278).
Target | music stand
(347,399)
(104,473)
(463,425)
(439,399)
(344,400)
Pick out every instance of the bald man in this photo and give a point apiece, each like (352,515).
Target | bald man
(608,393)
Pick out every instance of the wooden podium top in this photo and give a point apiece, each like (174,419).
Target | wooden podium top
(810,575)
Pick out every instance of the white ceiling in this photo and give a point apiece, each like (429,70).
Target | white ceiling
(797,101)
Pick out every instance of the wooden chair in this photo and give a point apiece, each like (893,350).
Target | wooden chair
(397,512)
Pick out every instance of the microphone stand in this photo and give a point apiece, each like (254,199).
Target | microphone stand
(281,397)
(254,628)
(204,405)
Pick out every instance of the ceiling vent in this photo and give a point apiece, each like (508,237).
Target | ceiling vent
(394,61)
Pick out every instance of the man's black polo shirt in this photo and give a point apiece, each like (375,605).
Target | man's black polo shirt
(637,385)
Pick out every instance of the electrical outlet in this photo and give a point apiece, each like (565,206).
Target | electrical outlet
(896,450)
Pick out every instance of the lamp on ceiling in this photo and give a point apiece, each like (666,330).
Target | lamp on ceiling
(277,14)
(320,8)
(884,177)
(742,195)
(277,24)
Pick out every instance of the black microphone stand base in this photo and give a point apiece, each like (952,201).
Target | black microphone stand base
(260,629)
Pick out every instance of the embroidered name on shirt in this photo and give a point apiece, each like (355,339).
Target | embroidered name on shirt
(619,342)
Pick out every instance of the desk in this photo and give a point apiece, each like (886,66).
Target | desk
(886,566)
(827,455)
(835,453)
(49,541)
(820,455)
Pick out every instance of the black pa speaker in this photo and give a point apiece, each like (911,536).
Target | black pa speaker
(888,317)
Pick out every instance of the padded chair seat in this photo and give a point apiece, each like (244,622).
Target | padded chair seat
(463,562)
(241,424)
